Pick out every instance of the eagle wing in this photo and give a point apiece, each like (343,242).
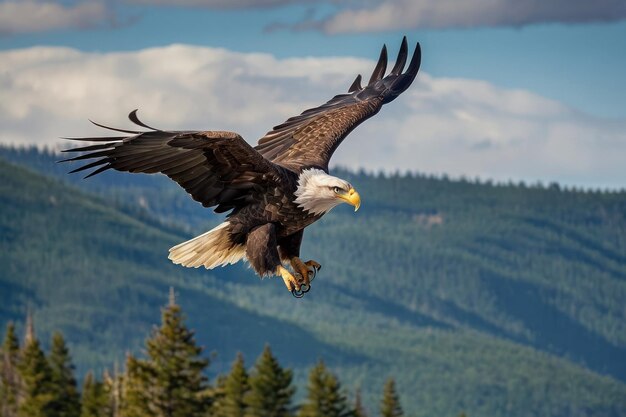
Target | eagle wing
(309,140)
(217,168)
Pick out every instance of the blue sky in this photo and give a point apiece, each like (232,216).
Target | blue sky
(569,52)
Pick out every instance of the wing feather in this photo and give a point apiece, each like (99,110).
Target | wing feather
(217,168)
(309,140)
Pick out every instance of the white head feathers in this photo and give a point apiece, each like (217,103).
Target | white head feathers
(316,191)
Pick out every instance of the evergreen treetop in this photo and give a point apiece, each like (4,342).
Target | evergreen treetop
(359,409)
(134,392)
(66,401)
(9,357)
(234,388)
(170,382)
(36,388)
(390,405)
(324,396)
(114,388)
(11,344)
(270,388)
(95,399)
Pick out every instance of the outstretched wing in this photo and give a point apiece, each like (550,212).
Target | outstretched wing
(217,168)
(309,140)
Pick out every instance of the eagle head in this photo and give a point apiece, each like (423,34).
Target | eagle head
(319,192)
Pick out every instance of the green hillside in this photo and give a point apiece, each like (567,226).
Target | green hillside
(490,299)
(100,276)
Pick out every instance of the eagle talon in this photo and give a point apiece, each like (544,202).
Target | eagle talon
(314,265)
(298,293)
(314,268)
(305,288)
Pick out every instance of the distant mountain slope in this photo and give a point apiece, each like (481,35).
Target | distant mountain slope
(154,194)
(467,293)
(101,275)
(540,266)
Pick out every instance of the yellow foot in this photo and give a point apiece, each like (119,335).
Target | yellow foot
(290,281)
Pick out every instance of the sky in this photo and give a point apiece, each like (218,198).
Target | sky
(508,89)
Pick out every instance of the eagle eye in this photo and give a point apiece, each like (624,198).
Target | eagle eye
(337,190)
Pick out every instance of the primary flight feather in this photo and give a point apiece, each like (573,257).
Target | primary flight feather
(273,190)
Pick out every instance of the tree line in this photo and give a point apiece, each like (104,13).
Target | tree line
(169,381)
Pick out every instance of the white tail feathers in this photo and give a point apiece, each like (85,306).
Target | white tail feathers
(210,249)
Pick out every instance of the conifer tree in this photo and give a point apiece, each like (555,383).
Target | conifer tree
(66,401)
(359,409)
(9,381)
(217,395)
(113,386)
(36,392)
(170,382)
(95,399)
(270,388)
(233,391)
(390,405)
(324,397)
(135,398)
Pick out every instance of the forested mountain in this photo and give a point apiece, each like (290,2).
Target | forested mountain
(496,300)
(168,379)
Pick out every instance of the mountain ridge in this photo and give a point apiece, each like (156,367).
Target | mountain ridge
(454,288)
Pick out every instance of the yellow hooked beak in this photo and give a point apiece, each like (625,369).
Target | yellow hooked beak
(352,197)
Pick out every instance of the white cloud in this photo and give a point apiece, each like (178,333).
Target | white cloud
(24,16)
(413,14)
(454,126)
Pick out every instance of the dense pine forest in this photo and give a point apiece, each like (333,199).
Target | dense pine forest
(494,299)
(170,381)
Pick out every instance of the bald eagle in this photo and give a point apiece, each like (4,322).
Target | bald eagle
(272,191)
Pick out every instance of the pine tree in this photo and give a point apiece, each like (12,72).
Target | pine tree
(359,409)
(217,395)
(9,381)
(390,405)
(36,391)
(270,388)
(134,389)
(234,388)
(66,401)
(95,399)
(113,386)
(171,381)
(324,397)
